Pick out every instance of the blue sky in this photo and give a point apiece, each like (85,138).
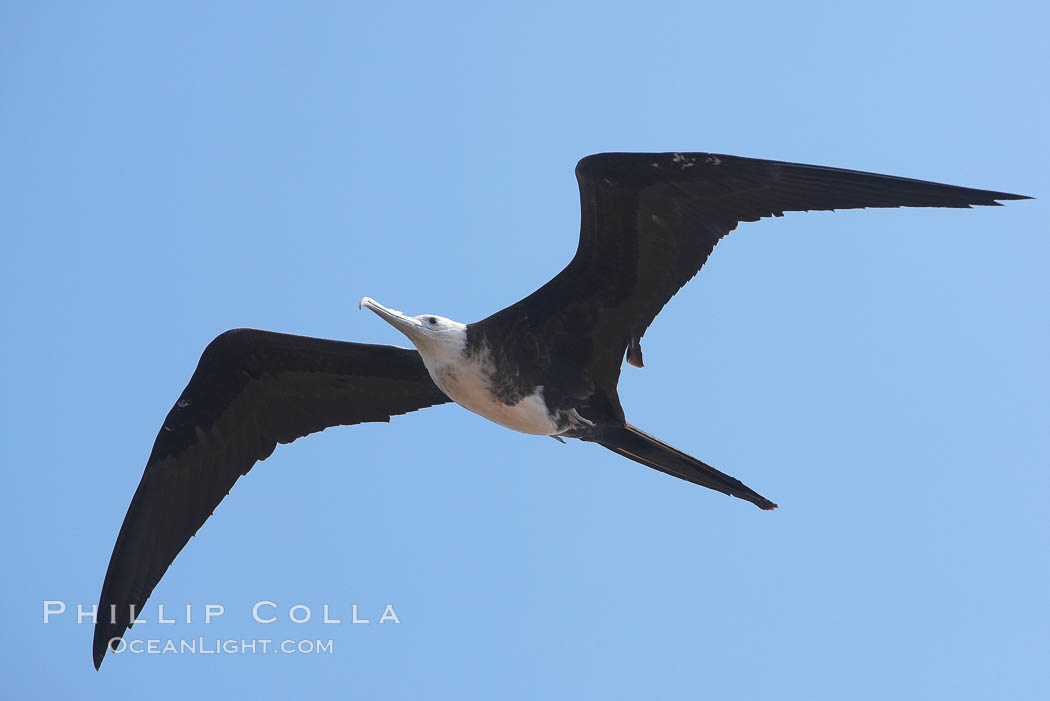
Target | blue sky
(170,171)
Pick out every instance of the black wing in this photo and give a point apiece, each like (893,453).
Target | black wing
(649,222)
(251,390)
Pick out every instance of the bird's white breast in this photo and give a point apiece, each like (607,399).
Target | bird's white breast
(467,382)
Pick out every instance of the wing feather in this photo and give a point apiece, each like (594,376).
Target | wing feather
(649,222)
(251,391)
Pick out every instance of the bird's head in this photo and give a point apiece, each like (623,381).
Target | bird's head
(434,336)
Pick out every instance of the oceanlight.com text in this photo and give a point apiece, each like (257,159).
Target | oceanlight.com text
(230,646)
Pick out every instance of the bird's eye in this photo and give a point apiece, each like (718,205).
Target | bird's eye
(432,320)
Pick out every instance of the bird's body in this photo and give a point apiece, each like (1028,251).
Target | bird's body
(463,366)
(547,365)
(467,375)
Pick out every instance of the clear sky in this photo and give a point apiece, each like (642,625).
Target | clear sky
(169,171)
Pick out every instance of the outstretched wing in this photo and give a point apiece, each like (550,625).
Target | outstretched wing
(649,222)
(251,390)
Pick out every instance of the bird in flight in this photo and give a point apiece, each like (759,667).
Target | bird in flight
(547,365)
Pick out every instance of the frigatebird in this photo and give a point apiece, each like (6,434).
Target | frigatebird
(547,365)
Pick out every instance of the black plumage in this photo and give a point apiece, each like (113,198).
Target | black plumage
(649,222)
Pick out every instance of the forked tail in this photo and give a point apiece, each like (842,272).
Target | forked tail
(639,446)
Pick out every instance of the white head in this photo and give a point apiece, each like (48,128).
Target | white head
(437,338)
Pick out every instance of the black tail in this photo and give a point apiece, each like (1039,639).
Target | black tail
(639,446)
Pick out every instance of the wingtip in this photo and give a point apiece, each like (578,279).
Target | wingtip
(758,500)
(1006,196)
(99,649)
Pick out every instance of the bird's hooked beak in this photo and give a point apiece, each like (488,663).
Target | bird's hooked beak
(405,324)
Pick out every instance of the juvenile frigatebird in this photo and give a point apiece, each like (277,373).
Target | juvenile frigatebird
(547,365)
